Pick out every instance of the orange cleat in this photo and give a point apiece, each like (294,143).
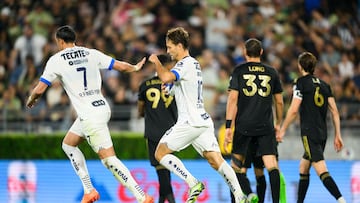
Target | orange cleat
(90,197)
(148,199)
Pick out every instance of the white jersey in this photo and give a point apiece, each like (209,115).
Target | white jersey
(188,93)
(78,70)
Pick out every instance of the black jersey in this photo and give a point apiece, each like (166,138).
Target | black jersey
(256,84)
(313,109)
(160,109)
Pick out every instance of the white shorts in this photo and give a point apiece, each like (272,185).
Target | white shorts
(95,130)
(181,136)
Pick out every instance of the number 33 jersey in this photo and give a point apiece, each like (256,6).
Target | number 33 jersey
(256,84)
(78,69)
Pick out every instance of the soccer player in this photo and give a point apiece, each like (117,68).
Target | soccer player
(159,110)
(194,125)
(253,85)
(78,68)
(313,97)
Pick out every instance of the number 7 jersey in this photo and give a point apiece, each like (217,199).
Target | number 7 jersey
(256,84)
(78,69)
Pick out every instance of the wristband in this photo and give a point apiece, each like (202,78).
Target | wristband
(228,124)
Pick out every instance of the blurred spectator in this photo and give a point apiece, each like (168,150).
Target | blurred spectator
(218,27)
(27,44)
(11,105)
(40,19)
(27,77)
(345,66)
(209,69)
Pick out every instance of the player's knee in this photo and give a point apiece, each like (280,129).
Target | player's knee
(236,163)
(161,151)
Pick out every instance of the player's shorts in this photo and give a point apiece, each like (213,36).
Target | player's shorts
(265,145)
(95,130)
(252,158)
(151,151)
(314,151)
(181,136)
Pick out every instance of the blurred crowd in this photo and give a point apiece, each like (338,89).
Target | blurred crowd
(129,30)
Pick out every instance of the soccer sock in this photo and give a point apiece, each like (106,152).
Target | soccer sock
(303,187)
(174,164)
(275,184)
(230,178)
(122,174)
(164,182)
(261,188)
(330,185)
(282,188)
(244,183)
(78,162)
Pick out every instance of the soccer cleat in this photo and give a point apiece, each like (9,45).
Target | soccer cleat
(90,197)
(148,199)
(252,198)
(194,192)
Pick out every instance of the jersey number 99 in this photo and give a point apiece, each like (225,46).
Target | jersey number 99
(154,95)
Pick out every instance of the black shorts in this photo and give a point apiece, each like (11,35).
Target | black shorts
(263,145)
(251,156)
(151,145)
(314,150)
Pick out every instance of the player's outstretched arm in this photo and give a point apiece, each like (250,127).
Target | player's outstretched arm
(127,67)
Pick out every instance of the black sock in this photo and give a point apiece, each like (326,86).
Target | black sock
(275,184)
(244,183)
(164,184)
(303,187)
(330,185)
(261,188)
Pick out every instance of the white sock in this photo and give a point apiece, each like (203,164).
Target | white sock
(341,200)
(78,162)
(174,164)
(229,176)
(122,174)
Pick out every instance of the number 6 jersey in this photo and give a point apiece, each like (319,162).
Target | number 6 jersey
(256,84)
(78,68)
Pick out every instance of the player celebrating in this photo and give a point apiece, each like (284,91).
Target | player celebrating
(159,110)
(194,125)
(313,97)
(78,68)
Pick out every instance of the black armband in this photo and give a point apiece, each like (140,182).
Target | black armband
(228,124)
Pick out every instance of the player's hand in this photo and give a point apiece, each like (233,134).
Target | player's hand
(153,58)
(31,102)
(280,135)
(338,143)
(228,138)
(139,65)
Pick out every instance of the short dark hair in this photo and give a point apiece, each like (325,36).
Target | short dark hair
(164,58)
(178,36)
(308,62)
(253,47)
(66,33)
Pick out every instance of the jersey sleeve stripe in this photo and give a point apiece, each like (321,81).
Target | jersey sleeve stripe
(45,81)
(111,64)
(177,76)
